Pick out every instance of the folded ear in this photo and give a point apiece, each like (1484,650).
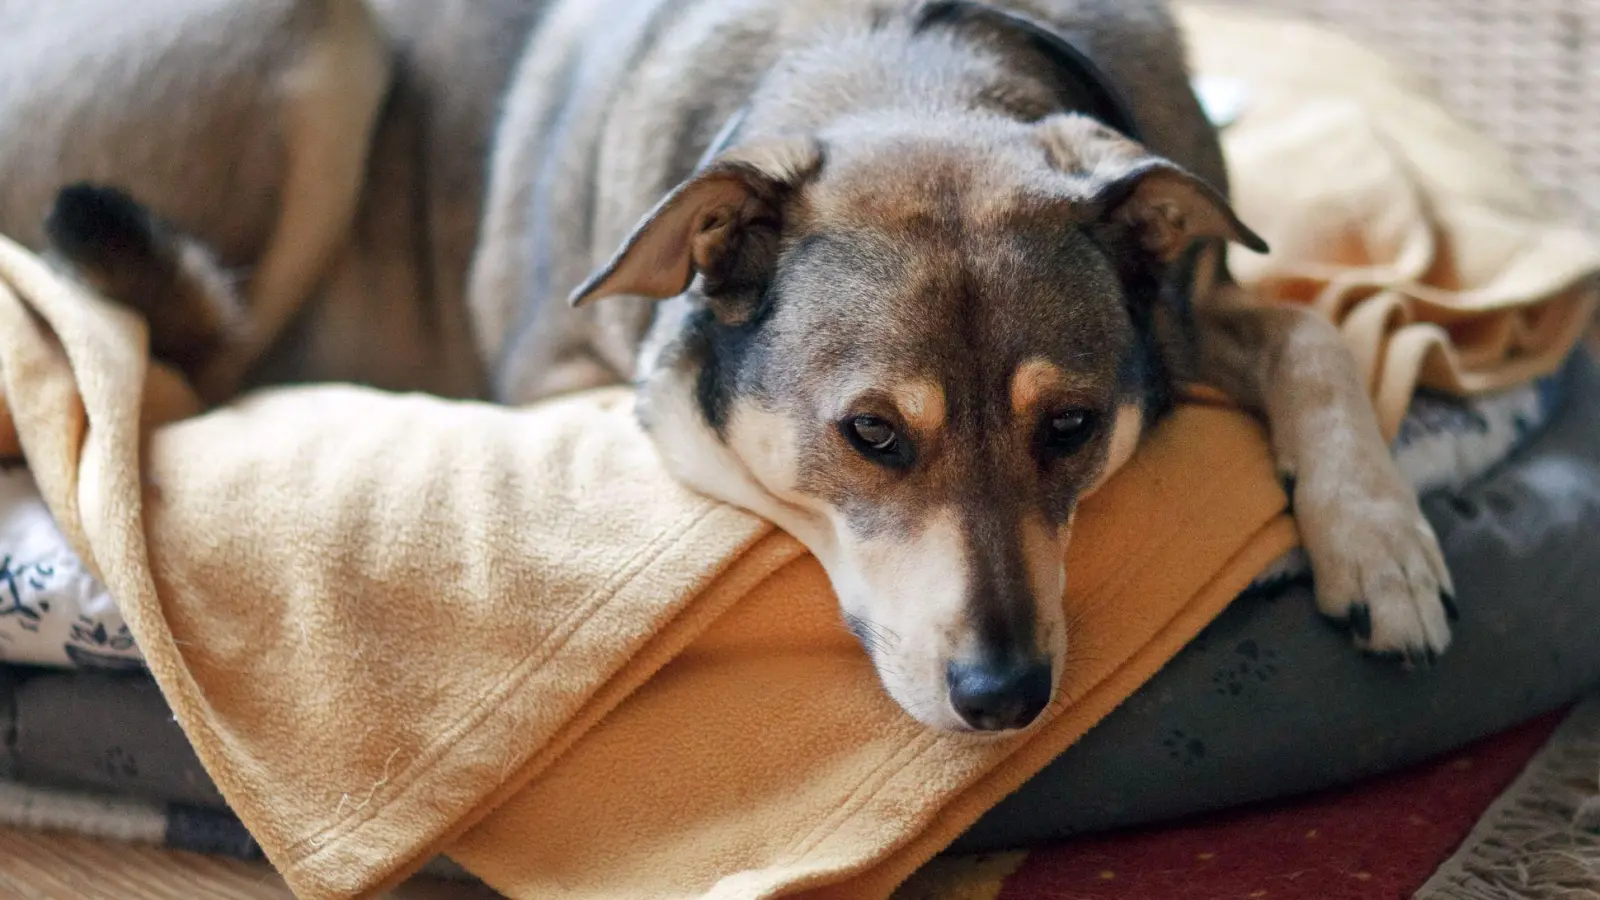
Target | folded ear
(1137,194)
(722,223)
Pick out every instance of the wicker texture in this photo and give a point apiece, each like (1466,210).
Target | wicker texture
(1527,71)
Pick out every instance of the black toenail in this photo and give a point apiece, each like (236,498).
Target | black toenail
(1451,611)
(1464,507)
(1361,621)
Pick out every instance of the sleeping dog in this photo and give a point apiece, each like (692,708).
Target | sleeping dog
(910,279)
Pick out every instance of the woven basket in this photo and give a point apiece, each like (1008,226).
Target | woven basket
(1527,71)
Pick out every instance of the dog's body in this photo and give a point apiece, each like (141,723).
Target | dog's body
(923,294)
(332,159)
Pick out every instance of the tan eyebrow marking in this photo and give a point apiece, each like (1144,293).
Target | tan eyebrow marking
(922,404)
(1034,380)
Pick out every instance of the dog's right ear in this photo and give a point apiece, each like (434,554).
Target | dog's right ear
(722,223)
(1136,194)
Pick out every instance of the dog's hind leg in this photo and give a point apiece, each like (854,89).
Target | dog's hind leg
(1375,559)
(331,100)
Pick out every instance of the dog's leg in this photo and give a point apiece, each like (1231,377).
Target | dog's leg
(1375,559)
(331,101)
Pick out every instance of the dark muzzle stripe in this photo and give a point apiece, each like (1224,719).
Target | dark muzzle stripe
(999,599)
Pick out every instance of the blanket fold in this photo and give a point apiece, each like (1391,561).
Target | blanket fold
(1442,264)
(394,626)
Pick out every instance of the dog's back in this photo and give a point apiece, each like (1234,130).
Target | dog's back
(611,104)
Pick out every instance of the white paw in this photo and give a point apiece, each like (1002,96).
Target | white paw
(1376,564)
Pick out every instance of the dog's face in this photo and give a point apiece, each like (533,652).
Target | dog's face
(915,350)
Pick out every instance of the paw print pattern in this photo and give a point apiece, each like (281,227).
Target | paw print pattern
(120,764)
(1183,748)
(1252,664)
(94,632)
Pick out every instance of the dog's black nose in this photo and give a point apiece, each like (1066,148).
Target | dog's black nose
(1002,695)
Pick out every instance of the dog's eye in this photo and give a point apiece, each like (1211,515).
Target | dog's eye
(1067,431)
(877,439)
(875,433)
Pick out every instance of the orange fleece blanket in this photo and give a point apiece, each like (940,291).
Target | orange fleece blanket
(395,626)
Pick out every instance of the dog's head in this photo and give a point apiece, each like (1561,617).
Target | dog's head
(915,348)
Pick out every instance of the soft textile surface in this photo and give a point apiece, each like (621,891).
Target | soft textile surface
(1383,839)
(53,612)
(1524,69)
(1414,232)
(99,732)
(393,626)
(1523,532)
(1537,842)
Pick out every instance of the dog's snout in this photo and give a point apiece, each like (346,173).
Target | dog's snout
(1002,695)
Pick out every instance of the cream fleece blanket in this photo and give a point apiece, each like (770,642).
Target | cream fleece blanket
(396,626)
(1412,230)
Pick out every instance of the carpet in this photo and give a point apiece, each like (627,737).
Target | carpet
(1511,798)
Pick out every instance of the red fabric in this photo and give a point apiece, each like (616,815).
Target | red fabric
(1380,840)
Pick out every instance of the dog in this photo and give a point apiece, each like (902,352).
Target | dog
(909,278)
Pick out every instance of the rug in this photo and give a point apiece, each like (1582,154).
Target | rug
(1541,839)
(1511,798)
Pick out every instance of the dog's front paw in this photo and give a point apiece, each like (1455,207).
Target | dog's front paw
(1376,562)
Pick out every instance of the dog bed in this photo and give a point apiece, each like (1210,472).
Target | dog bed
(1513,479)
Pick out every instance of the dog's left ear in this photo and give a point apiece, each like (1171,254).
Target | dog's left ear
(721,223)
(1137,195)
